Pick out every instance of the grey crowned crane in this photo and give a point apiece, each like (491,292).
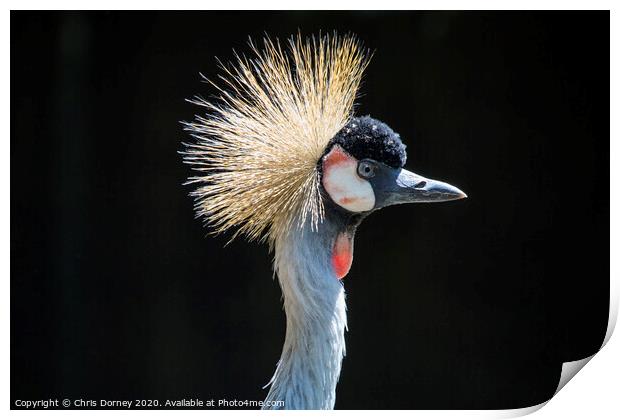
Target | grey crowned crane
(281,158)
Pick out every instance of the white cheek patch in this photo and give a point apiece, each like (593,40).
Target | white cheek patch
(343,184)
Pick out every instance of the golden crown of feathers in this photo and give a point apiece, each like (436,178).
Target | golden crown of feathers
(257,147)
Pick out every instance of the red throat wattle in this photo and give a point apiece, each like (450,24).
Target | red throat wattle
(342,254)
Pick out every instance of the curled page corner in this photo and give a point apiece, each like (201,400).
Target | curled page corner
(569,369)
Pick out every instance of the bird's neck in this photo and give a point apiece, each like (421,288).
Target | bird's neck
(314,302)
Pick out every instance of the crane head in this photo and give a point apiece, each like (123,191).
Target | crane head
(279,149)
(362,170)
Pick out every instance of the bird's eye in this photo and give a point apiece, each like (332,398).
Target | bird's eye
(366,169)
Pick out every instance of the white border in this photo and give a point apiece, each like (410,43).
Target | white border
(593,395)
(313,5)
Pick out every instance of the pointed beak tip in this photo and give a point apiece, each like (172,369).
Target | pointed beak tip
(455,193)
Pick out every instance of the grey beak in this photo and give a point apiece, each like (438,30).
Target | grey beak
(407,187)
(413,188)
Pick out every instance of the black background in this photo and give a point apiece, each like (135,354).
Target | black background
(117,292)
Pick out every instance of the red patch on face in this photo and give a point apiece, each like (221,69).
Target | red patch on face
(336,156)
(347,200)
(342,255)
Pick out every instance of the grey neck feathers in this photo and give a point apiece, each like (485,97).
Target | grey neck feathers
(314,302)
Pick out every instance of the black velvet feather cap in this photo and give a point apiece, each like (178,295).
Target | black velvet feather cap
(368,138)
